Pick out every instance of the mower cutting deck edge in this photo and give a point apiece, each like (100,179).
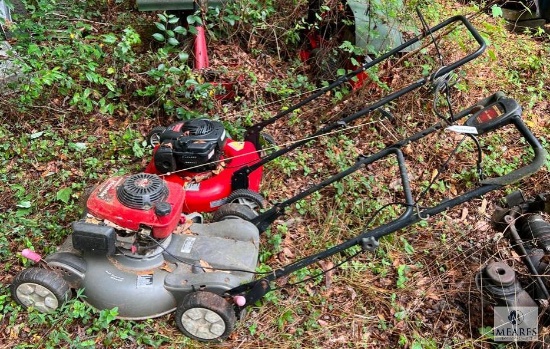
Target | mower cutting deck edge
(135,250)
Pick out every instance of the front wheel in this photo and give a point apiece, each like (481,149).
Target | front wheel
(42,289)
(206,317)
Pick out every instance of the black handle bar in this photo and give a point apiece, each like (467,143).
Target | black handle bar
(368,239)
(253,132)
(239,178)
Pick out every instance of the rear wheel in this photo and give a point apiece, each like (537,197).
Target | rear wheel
(153,137)
(234,211)
(246,197)
(42,289)
(206,317)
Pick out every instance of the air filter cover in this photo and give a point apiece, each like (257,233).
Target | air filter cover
(141,191)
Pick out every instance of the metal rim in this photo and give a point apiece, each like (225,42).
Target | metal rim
(252,204)
(37,296)
(248,198)
(154,140)
(203,323)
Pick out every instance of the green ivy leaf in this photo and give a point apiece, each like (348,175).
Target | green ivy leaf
(180,30)
(416,345)
(173,41)
(24,204)
(160,26)
(183,56)
(486,332)
(36,134)
(496,11)
(158,37)
(162,17)
(109,38)
(64,195)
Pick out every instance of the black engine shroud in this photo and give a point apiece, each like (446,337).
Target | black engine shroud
(193,145)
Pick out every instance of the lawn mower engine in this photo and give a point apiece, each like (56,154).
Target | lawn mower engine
(525,224)
(198,155)
(136,251)
(194,145)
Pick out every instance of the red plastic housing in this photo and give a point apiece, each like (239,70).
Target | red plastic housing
(208,194)
(103,204)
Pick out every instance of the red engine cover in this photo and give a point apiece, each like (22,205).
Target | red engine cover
(207,195)
(104,204)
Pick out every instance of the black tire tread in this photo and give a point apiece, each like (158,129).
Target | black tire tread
(247,194)
(47,278)
(211,301)
(236,210)
(156,129)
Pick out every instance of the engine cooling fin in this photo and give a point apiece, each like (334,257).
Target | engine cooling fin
(198,127)
(141,191)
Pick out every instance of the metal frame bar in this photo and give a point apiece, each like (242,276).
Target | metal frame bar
(258,288)
(239,179)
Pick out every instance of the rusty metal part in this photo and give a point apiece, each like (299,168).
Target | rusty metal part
(498,280)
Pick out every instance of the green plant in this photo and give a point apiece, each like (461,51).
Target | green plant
(168,35)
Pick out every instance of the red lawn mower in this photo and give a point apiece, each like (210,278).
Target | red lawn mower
(199,156)
(135,250)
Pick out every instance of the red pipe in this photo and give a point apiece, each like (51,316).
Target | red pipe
(201,54)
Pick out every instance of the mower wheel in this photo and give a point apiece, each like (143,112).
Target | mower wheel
(248,198)
(43,289)
(206,317)
(153,137)
(233,211)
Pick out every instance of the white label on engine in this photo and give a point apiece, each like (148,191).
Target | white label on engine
(462,129)
(192,187)
(145,280)
(103,193)
(188,245)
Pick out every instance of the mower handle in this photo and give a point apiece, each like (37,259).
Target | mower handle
(514,118)
(368,239)
(239,180)
(252,133)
